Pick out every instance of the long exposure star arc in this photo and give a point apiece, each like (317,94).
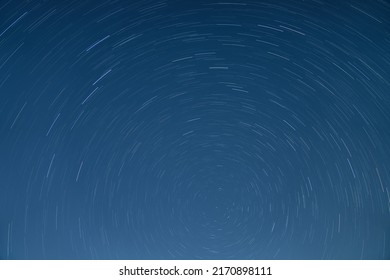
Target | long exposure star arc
(194,130)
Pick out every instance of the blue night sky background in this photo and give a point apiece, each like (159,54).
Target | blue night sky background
(195,129)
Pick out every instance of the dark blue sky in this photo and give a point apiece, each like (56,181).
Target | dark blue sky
(194,129)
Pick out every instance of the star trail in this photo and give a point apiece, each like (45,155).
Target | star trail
(195,129)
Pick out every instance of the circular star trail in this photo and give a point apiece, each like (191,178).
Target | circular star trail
(194,130)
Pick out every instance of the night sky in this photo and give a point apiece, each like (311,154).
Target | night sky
(195,129)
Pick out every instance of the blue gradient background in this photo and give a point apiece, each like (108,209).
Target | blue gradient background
(194,130)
